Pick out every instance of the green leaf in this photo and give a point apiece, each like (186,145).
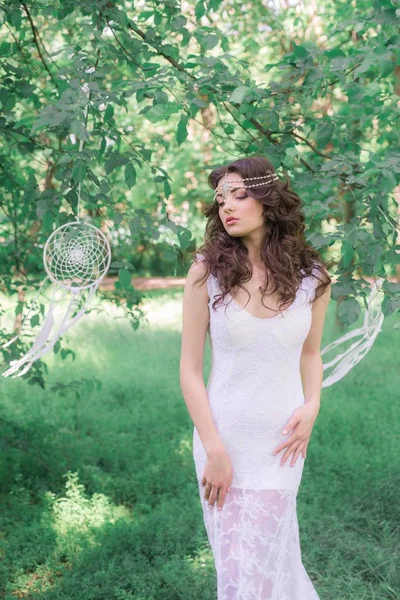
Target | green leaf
(324,134)
(209,42)
(64,159)
(109,112)
(330,165)
(79,170)
(160,112)
(390,305)
(35,320)
(364,67)
(116,264)
(104,187)
(182,133)
(103,145)
(185,237)
(117,160)
(214,4)
(125,277)
(7,100)
(48,220)
(300,51)
(15,18)
(130,175)
(79,130)
(57,119)
(238,94)
(26,89)
(167,189)
(349,311)
(200,9)
(347,254)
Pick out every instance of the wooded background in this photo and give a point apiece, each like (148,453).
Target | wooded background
(177,88)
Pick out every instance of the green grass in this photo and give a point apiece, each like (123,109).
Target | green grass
(99,497)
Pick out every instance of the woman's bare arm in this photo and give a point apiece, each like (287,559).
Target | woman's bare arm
(311,364)
(195,319)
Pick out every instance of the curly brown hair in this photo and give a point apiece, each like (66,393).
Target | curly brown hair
(284,251)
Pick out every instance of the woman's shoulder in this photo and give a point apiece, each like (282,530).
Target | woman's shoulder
(316,270)
(200,259)
(312,278)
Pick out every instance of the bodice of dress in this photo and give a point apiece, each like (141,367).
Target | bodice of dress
(255,381)
(270,348)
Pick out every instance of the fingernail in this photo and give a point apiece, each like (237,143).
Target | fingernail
(219,507)
(284,432)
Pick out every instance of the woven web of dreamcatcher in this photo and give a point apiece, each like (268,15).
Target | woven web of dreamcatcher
(76,255)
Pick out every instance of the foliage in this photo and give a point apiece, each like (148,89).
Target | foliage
(177,88)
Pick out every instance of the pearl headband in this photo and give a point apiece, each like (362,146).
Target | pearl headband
(227,185)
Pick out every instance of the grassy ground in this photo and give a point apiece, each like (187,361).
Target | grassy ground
(99,498)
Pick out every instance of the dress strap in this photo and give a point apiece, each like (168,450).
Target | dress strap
(310,283)
(210,280)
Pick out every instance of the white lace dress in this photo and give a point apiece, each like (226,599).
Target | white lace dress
(253,388)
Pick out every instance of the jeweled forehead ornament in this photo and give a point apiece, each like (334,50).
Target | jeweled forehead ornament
(226,185)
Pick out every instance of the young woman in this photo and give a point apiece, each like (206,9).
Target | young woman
(253,422)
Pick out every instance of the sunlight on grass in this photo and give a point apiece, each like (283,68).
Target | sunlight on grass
(40,580)
(76,517)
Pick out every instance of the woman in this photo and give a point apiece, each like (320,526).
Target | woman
(253,422)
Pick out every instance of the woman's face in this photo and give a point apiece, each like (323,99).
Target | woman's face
(238,204)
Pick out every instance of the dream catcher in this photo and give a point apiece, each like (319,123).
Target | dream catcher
(373,319)
(364,336)
(76,257)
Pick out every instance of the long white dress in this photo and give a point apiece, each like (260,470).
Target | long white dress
(253,389)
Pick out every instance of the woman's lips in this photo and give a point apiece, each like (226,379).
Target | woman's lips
(232,221)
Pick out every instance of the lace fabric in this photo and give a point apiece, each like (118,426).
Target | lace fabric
(256,546)
(253,389)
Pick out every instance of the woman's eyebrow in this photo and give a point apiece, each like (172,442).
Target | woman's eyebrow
(233,190)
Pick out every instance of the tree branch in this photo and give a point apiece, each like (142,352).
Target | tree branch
(265,132)
(35,39)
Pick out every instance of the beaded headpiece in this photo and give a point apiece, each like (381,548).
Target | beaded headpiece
(226,185)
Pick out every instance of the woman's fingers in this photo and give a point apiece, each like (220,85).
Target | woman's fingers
(210,492)
(295,436)
(287,443)
(296,454)
(215,493)
(221,497)
(289,452)
(207,490)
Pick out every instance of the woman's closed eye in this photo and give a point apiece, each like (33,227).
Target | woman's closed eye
(237,198)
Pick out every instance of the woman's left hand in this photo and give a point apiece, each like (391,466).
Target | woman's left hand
(302,421)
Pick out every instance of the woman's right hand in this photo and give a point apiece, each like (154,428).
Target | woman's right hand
(217,477)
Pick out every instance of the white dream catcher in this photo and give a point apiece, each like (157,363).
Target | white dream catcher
(76,257)
(364,338)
